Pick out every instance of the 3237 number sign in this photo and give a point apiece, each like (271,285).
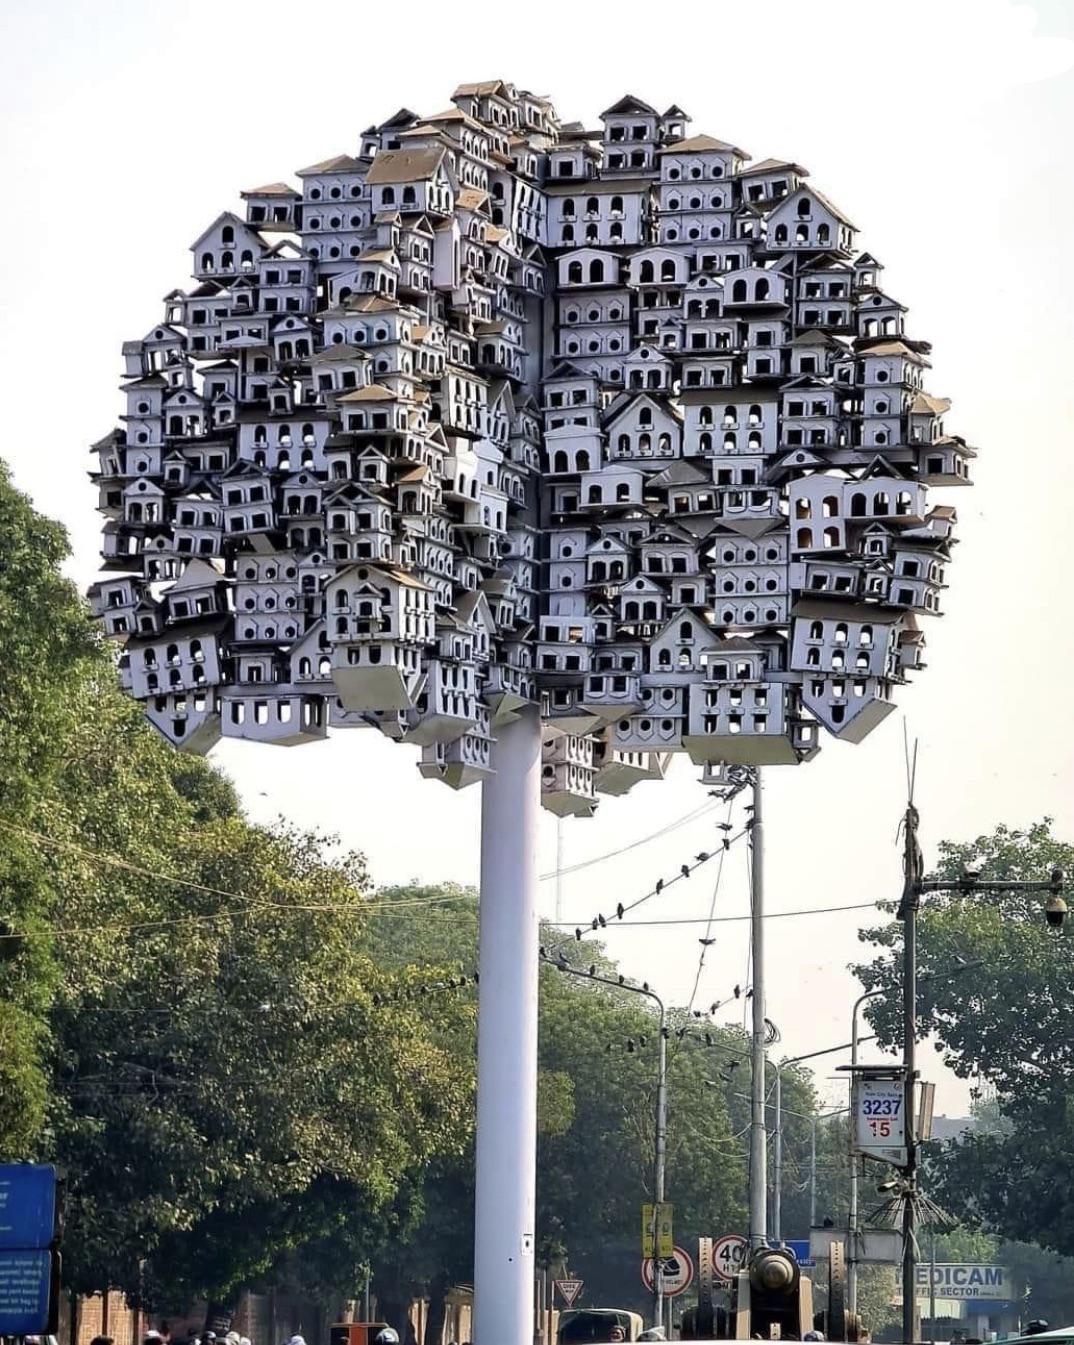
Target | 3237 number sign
(879,1120)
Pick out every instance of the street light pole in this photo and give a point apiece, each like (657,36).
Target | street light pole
(758,1131)
(855,1167)
(777,1147)
(660,1140)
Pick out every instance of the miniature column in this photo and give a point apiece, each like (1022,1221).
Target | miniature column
(507,1040)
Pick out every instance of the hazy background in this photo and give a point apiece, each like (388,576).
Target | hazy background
(942,128)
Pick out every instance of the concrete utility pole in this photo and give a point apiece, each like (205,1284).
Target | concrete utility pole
(506,1157)
(913,868)
(758,1131)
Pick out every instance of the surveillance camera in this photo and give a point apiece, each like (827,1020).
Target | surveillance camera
(1055,910)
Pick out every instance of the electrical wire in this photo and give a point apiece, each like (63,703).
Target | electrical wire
(705,939)
(727,919)
(634,845)
(600,921)
(250,903)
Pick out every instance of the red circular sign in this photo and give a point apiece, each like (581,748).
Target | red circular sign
(678,1273)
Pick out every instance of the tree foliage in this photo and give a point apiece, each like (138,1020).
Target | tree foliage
(1003,1020)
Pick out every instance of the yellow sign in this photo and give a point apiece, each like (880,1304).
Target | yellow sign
(657,1231)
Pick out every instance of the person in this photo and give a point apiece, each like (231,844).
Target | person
(102,1340)
(616,1334)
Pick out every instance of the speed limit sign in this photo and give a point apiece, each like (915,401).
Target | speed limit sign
(728,1255)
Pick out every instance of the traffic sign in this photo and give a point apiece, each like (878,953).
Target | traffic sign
(800,1248)
(879,1130)
(569,1289)
(657,1235)
(728,1255)
(27,1205)
(25,1292)
(676,1273)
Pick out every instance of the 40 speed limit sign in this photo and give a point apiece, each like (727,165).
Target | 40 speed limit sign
(728,1255)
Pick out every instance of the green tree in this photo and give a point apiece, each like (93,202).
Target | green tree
(1003,1022)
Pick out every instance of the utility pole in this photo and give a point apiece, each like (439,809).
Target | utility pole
(559,870)
(853,1233)
(758,1131)
(913,872)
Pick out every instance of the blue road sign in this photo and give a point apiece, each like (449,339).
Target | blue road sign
(27,1205)
(800,1248)
(25,1285)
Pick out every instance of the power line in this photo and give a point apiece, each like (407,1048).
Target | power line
(692,816)
(725,919)
(705,940)
(250,903)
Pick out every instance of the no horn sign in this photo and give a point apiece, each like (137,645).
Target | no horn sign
(965,1279)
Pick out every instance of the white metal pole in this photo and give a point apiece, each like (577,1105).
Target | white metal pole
(507,1040)
(661,1159)
(777,1149)
(758,1133)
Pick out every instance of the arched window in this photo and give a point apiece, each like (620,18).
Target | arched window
(841,633)
(804,207)
(568,207)
(227,234)
(667,270)
(581,460)
(738,292)
(645,273)
(824,233)
(761,290)
(592,206)
(574,273)
(816,630)
(645,415)
(830,506)
(857,504)
(805,539)
(831,537)
(560,461)
(596,272)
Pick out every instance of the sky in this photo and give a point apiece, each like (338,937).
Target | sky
(942,128)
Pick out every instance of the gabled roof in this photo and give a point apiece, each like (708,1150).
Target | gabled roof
(487,88)
(775,166)
(197,574)
(628,104)
(404,165)
(225,217)
(339,163)
(272,189)
(702,144)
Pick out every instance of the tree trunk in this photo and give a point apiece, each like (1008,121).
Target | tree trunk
(434,1322)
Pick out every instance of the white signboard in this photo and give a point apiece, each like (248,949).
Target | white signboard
(965,1279)
(728,1255)
(879,1129)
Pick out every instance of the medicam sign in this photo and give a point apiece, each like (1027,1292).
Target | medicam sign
(964,1279)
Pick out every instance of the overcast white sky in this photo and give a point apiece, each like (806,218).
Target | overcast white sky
(941,126)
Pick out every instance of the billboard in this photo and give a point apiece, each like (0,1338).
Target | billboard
(965,1279)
